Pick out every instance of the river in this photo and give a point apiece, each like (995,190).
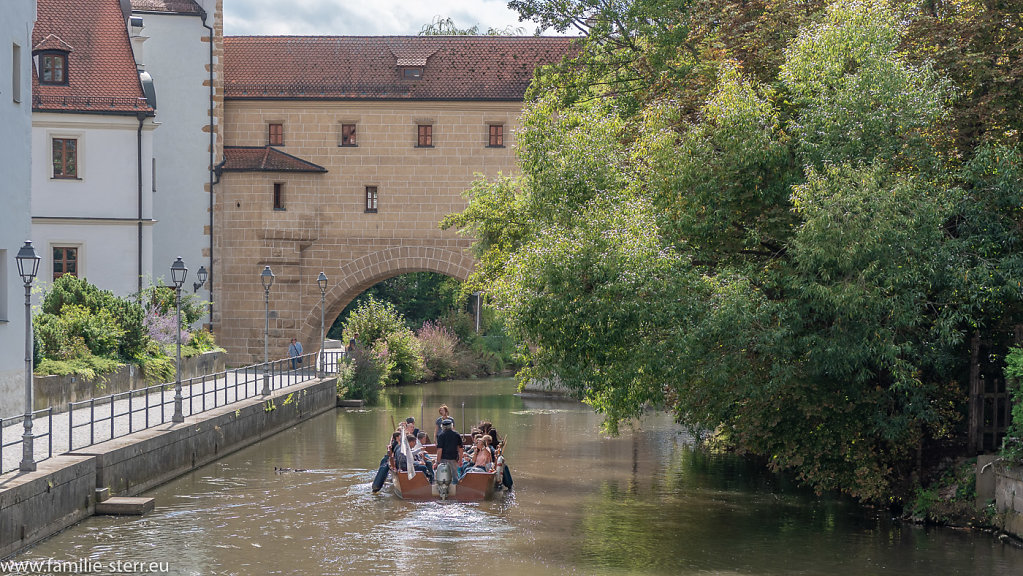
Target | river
(644,503)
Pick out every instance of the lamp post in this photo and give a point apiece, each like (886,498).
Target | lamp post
(201,274)
(178,273)
(267,278)
(28,267)
(322,281)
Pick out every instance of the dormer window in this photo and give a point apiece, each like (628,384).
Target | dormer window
(412,73)
(53,68)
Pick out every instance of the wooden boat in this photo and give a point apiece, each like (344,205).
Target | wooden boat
(475,485)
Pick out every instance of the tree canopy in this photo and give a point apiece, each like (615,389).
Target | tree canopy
(767,217)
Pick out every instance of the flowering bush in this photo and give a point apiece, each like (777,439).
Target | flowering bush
(164,329)
(438,344)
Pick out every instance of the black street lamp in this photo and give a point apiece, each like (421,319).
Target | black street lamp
(201,274)
(322,281)
(267,278)
(178,273)
(28,267)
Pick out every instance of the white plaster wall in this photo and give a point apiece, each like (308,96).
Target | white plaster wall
(107,252)
(97,211)
(16,20)
(176,58)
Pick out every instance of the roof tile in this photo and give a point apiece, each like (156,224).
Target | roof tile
(101,71)
(264,159)
(369,67)
(170,6)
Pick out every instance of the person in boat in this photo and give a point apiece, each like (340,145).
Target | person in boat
(482,459)
(382,471)
(444,413)
(401,462)
(410,426)
(449,446)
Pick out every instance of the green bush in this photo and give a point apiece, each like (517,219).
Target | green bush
(372,321)
(128,316)
(77,332)
(405,357)
(161,297)
(370,373)
(1012,446)
(88,367)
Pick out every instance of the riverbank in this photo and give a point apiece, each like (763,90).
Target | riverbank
(62,492)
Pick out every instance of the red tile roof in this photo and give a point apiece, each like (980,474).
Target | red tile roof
(368,67)
(170,6)
(101,69)
(264,159)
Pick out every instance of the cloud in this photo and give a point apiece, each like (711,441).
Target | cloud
(361,17)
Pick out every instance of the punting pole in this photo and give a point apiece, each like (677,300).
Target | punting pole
(463,416)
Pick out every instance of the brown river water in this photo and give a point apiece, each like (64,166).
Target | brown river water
(643,503)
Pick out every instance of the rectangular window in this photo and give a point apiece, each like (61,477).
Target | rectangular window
(348,135)
(425,136)
(412,73)
(65,261)
(277,134)
(54,68)
(154,174)
(65,158)
(371,199)
(278,196)
(496,136)
(16,73)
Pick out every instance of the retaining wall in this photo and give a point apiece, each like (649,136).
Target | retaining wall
(1009,499)
(62,491)
(57,391)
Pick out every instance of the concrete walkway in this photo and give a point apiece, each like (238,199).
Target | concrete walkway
(88,424)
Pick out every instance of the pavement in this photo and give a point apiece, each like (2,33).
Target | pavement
(90,422)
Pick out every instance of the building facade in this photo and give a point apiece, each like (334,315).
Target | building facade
(342,155)
(174,48)
(15,218)
(92,147)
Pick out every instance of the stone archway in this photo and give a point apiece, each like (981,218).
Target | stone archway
(360,274)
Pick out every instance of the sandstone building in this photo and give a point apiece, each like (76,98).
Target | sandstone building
(341,155)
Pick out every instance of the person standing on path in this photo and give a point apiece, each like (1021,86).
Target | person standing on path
(295,353)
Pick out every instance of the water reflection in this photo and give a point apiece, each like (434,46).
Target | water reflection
(642,503)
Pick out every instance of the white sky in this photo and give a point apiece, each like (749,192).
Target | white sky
(362,17)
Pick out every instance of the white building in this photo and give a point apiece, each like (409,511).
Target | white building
(92,147)
(173,47)
(15,191)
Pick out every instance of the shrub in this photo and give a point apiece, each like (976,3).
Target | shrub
(438,344)
(78,332)
(1012,446)
(164,329)
(370,372)
(128,316)
(88,367)
(405,357)
(372,321)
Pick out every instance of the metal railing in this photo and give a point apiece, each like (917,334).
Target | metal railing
(107,417)
(18,432)
(116,415)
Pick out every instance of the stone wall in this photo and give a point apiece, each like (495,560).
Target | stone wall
(62,491)
(57,391)
(324,225)
(1009,499)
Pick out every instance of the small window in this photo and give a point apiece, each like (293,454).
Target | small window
(371,199)
(65,158)
(278,196)
(348,135)
(65,261)
(276,134)
(496,136)
(425,136)
(53,66)
(412,73)
(16,73)
(154,173)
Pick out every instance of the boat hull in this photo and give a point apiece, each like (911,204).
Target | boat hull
(474,486)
